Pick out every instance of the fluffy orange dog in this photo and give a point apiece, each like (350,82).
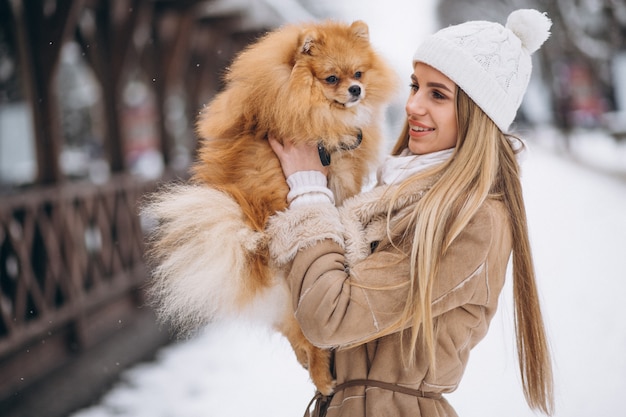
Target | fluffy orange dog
(319,82)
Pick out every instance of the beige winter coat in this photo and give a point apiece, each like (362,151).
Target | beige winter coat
(335,282)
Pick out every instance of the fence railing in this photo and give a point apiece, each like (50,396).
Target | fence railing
(71,262)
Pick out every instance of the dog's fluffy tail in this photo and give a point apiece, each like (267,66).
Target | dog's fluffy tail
(200,249)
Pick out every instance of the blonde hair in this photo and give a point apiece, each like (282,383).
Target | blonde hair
(483,166)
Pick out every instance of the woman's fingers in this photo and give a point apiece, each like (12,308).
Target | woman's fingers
(277,147)
(294,158)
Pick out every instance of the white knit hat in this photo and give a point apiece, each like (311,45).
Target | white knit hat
(491,63)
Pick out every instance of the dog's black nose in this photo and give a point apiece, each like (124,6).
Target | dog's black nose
(355,90)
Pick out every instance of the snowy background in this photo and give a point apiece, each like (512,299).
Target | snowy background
(577,217)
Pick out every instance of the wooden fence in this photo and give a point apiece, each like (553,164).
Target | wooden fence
(72,271)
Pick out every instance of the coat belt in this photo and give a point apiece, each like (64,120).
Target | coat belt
(322,401)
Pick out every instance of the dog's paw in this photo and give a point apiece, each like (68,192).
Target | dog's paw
(252,241)
(319,369)
(328,388)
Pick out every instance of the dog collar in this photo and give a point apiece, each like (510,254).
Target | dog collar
(325,154)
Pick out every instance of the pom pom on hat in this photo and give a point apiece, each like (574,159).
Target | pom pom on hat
(531,26)
(491,63)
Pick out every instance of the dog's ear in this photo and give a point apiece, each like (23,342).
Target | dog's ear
(307,41)
(360,29)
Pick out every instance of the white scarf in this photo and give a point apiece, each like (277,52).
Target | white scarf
(396,169)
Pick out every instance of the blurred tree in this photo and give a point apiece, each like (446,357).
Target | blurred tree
(586,35)
(10,90)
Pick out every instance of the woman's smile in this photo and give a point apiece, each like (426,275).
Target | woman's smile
(419,129)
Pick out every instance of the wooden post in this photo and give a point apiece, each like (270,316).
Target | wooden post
(172,31)
(41,35)
(113,42)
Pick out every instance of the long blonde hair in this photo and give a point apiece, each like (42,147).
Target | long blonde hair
(483,166)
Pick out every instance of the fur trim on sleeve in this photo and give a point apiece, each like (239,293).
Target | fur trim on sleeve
(300,227)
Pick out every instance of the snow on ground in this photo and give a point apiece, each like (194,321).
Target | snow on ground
(577,219)
(228,370)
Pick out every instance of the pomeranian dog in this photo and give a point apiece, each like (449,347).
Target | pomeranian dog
(321,83)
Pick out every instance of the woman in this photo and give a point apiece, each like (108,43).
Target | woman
(403,280)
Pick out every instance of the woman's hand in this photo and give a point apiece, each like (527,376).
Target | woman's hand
(294,158)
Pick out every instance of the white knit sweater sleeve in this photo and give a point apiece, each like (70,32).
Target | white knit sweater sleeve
(311,217)
(308,187)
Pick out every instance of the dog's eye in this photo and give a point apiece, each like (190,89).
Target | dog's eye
(358,74)
(332,79)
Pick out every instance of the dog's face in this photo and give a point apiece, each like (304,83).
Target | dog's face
(342,86)
(338,59)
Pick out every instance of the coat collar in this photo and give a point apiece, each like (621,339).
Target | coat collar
(380,199)
(364,215)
